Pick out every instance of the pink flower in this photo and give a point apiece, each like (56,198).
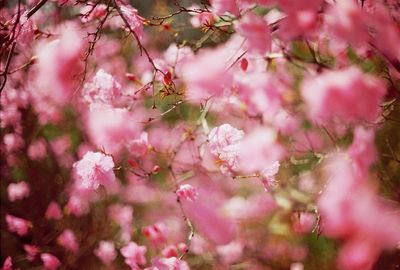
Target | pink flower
(31,251)
(345,21)
(187,192)
(123,216)
(203,85)
(268,175)
(257,33)
(13,142)
(223,143)
(135,21)
(77,205)
(103,89)
(17,191)
(358,254)
(111,129)
(157,233)
(231,252)
(258,149)
(37,150)
(8,265)
(344,95)
(171,263)
(220,7)
(170,251)
(94,169)
(17,225)
(201,19)
(68,240)
(362,150)
(53,211)
(106,252)
(89,14)
(303,222)
(139,147)
(50,262)
(134,255)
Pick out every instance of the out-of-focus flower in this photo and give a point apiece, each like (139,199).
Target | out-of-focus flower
(68,240)
(187,192)
(18,191)
(106,252)
(32,251)
(346,95)
(50,262)
(17,225)
(53,211)
(157,233)
(134,255)
(231,252)
(171,263)
(257,33)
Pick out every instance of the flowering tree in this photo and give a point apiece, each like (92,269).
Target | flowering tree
(222,134)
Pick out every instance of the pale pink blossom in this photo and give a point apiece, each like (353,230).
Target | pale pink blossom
(267,176)
(134,255)
(187,192)
(90,13)
(50,262)
(53,211)
(303,222)
(171,263)
(220,7)
(18,191)
(102,89)
(77,206)
(344,95)
(37,149)
(203,85)
(345,21)
(106,252)
(258,149)
(223,142)
(157,233)
(257,33)
(139,147)
(111,129)
(94,169)
(231,252)
(17,225)
(134,20)
(13,142)
(362,151)
(32,251)
(123,216)
(68,240)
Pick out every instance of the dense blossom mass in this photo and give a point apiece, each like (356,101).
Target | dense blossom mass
(219,134)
